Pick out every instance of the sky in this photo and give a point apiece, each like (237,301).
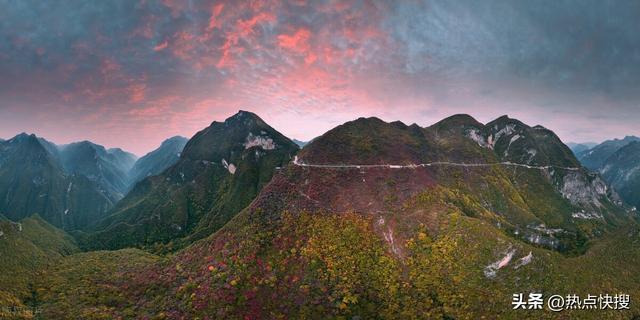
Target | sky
(131,73)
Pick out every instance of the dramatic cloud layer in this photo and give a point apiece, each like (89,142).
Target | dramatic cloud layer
(130,73)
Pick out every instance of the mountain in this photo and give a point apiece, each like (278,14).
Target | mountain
(33,180)
(622,171)
(300,144)
(617,161)
(547,188)
(107,168)
(577,148)
(595,157)
(156,161)
(385,220)
(220,171)
(28,248)
(122,159)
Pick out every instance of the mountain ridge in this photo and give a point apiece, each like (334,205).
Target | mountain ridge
(379,241)
(351,240)
(220,170)
(33,180)
(622,171)
(156,161)
(108,169)
(595,157)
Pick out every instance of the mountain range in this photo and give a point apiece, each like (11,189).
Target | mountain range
(595,157)
(617,162)
(300,144)
(370,220)
(73,185)
(577,148)
(622,171)
(107,168)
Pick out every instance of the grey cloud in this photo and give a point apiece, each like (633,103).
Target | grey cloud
(585,45)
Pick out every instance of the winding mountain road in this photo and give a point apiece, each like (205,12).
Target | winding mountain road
(297,162)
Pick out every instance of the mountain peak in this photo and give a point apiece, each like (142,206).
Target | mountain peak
(504,117)
(174,139)
(365,122)
(243,115)
(29,140)
(111,150)
(220,170)
(631,138)
(83,143)
(85,146)
(458,120)
(398,124)
(626,149)
(504,121)
(242,130)
(23,136)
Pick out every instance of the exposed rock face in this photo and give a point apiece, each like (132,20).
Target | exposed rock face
(491,270)
(584,189)
(476,135)
(264,142)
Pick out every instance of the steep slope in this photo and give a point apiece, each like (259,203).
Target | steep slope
(92,285)
(51,147)
(622,171)
(546,190)
(28,248)
(220,171)
(156,161)
(41,263)
(595,157)
(122,159)
(514,141)
(384,220)
(107,168)
(33,181)
(578,148)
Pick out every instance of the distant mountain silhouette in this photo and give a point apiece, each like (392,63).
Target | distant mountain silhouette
(33,180)
(156,161)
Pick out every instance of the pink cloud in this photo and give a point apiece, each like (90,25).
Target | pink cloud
(161,46)
(214,21)
(137,92)
(297,43)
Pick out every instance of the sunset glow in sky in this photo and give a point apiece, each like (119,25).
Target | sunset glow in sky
(131,73)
